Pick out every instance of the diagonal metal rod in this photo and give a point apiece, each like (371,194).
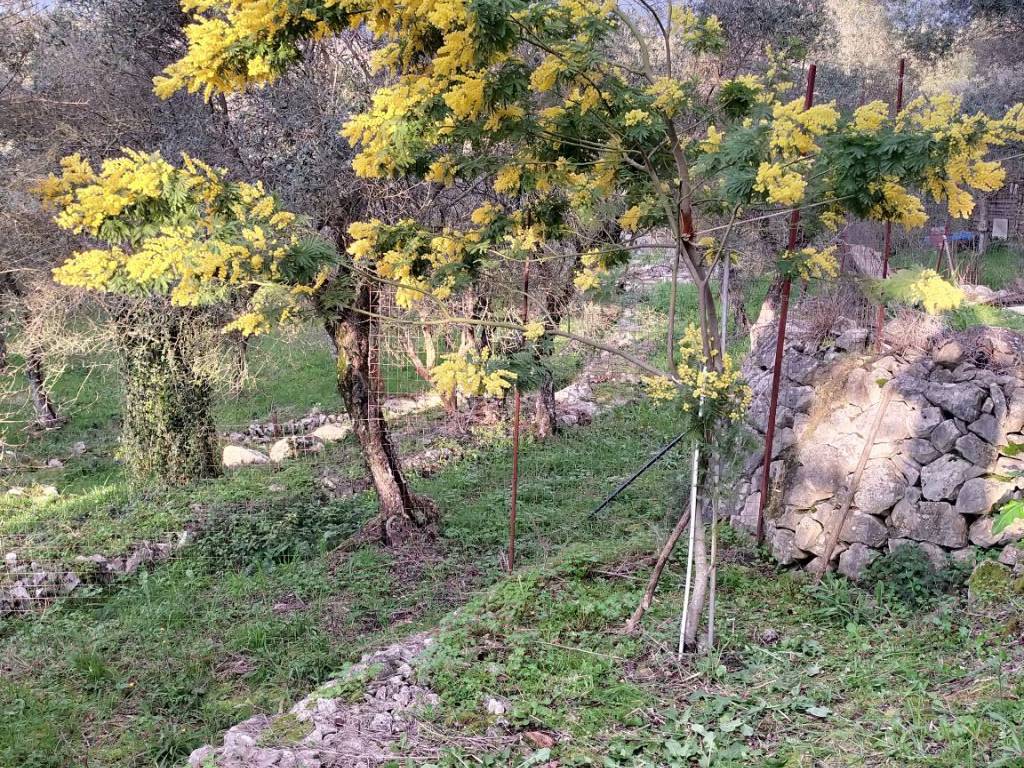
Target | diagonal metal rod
(636,475)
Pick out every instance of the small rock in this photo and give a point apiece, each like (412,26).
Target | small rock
(291,447)
(976,450)
(55,463)
(495,707)
(881,486)
(988,428)
(852,339)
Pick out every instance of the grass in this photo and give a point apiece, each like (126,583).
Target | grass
(261,610)
(142,672)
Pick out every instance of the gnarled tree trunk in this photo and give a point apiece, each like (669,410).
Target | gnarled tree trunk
(168,432)
(351,330)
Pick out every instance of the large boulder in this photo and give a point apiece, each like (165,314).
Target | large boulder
(291,447)
(981,532)
(881,486)
(238,456)
(941,479)
(962,400)
(980,494)
(332,433)
(935,522)
(855,560)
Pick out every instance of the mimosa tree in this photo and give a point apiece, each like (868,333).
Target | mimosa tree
(586,112)
(177,239)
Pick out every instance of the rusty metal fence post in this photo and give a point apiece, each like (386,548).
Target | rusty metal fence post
(780,341)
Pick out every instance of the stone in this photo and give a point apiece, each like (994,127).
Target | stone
(291,447)
(855,560)
(495,706)
(935,522)
(962,400)
(881,486)
(927,419)
(949,353)
(54,463)
(935,554)
(813,483)
(784,549)
(237,456)
(862,528)
(860,390)
(910,469)
(852,339)
(977,451)
(988,428)
(747,518)
(799,368)
(980,494)
(981,532)
(897,421)
(1012,556)
(941,479)
(944,436)
(332,433)
(1014,421)
(809,535)
(920,450)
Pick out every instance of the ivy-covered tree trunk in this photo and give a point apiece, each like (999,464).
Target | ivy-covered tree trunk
(351,329)
(168,432)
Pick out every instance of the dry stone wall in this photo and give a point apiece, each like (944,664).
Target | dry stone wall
(942,460)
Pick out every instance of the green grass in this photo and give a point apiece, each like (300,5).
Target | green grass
(145,670)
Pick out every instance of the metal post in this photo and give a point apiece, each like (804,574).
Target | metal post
(887,244)
(780,340)
(517,405)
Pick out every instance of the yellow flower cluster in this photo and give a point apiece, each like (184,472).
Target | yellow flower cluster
(507,180)
(898,205)
(589,276)
(637,117)
(533,331)
(403,264)
(220,28)
(631,218)
(543,77)
(795,128)
(467,374)
(192,231)
(870,117)
(713,141)
(968,140)
(779,185)
(811,263)
(669,96)
(702,386)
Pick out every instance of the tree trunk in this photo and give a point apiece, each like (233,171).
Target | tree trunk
(351,331)
(43,407)
(168,432)
(544,416)
(46,415)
